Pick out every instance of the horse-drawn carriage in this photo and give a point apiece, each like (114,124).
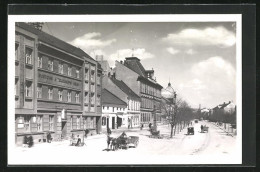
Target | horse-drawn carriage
(204,129)
(155,134)
(190,130)
(124,142)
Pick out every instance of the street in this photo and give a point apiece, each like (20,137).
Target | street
(214,143)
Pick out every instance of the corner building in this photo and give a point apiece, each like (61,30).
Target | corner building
(49,87)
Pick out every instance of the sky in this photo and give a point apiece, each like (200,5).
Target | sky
(198,58)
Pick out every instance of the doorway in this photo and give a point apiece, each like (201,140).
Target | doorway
(113,122)
(64,128)
(107,122)
(119,121)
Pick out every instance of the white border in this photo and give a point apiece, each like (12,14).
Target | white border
(237,159)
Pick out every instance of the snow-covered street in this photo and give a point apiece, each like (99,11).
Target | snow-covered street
(215,143)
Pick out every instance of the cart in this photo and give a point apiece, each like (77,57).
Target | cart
(190,130)
(125,142)
(205,128)
(155,134)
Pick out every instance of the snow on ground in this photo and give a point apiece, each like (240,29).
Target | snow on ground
(182,148)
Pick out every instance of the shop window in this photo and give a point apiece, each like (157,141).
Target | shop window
(51,122)
(39,91)
(39,123)
(28,89)
(16,51)
(27,119)
(28,55)
(69,96)
(60,68)
(69,71)
(50,64)
(50,93)
(60,95)
(71,123)
(77,97)
(78,122)
(104,121)
(39,62)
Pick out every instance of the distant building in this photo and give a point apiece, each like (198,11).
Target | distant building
(168,101)
(119,88)
(49,93)
(142,83)
(113,110)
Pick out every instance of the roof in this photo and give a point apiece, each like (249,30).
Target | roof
(54,41)
(130,93)
(134,64)
(150,81)
(109,98)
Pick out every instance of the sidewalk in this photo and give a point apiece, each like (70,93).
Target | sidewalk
(222,128)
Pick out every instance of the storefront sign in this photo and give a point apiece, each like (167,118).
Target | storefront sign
(58,80)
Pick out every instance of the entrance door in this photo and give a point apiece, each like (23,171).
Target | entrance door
(119,121)
(107,122)
(64,128)
(113,122)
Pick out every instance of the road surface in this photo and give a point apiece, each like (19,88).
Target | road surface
(214,143)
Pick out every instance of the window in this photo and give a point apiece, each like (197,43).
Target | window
(107,107)
(28,55)
(50,93)
(69,71)
(28,89)
(27,119)
(77,73)
(16,87)
(98,100)
(78,122)
(51,120)
(39,62)
(86,74)
(77,97)
(16,51)
(50,64)
(60,95)
(104,120)
(103,107)
(60,68)
(39,123)
(69,96)
(39,91)
(113,109)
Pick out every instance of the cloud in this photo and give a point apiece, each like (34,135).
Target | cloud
(218,36)
(90,41)
(210,81)
(141,53)
(172,50)
(190,52)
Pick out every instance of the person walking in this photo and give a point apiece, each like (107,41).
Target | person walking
(201,127)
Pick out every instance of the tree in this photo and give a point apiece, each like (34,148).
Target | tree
(177,112)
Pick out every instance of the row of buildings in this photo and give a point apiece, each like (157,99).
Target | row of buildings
(61,89)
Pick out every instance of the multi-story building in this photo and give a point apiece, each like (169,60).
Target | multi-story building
(113,108)
(49,86)
(143,83)
(121,90)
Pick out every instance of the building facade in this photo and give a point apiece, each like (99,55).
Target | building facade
(143,83)
(113,111)
(121,90)
(49,87)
